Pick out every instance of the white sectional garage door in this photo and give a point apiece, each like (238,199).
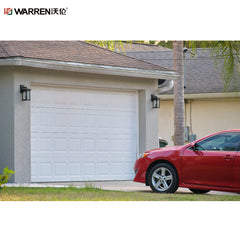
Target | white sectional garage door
(82,134)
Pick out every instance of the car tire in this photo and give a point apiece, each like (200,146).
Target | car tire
(198,191)
(163,178)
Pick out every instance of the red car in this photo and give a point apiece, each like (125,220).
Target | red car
(211,163)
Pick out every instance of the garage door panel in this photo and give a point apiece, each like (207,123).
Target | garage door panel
(60,168)
(75,144)
(102,168)
(45,168)
(74,169)
(81,134)
(127,167)
(45,144)
(89,168)
(102,145)
(34,144)
(46,118)
(34,170)
(76,119)
(89,145)
(116,169)
(103,122)
(61,119)
(61,144)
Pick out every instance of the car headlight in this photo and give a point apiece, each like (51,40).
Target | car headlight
(142,155)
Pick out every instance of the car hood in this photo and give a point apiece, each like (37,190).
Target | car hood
(166,149)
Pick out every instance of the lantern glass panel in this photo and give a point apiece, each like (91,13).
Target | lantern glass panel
(24,95)
(28,93)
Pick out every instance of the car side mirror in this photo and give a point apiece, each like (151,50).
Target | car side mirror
(194,146)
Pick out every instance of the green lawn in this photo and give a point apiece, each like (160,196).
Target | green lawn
(94,194)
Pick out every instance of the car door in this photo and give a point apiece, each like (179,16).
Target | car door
(236,170)
(211,161)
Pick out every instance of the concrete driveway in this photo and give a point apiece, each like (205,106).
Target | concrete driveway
(128,186)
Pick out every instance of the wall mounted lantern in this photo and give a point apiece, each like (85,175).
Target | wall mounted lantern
(155,101)
(26,93)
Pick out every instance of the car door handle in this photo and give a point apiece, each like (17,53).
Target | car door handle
(228,157)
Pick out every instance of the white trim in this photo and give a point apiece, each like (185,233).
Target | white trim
(204,95)
(66,85)
(137,124)
(89,68)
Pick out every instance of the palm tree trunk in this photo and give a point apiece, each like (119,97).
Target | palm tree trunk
(179,134)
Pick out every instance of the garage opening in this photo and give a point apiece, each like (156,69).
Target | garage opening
(82,134)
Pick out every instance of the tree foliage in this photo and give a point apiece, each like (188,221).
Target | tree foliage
(118,46)
(226,53)
(7,173)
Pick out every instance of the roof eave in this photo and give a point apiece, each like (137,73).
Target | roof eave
(88,68)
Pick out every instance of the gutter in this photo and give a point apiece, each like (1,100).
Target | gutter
(88,68)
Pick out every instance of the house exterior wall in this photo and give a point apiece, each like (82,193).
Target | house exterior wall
(22,128)
(166,121)
(203,116)
(6,119)
(20,136)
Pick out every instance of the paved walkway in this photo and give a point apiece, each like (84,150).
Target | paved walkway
(128,186)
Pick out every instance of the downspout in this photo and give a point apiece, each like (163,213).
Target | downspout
(165,88)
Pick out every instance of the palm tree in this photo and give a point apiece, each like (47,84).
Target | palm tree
(179,111)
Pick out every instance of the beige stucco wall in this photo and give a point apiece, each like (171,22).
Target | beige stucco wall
(203,116)
(166,121)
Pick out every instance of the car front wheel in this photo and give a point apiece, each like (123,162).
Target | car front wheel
(163,178)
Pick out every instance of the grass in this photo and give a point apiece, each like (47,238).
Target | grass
(90,193)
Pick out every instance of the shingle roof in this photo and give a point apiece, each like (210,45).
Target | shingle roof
(201,73)
(134,47)
(72,51)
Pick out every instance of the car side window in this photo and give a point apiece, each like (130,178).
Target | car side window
(221,142)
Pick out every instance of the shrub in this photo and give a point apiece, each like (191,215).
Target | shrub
(7,173)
